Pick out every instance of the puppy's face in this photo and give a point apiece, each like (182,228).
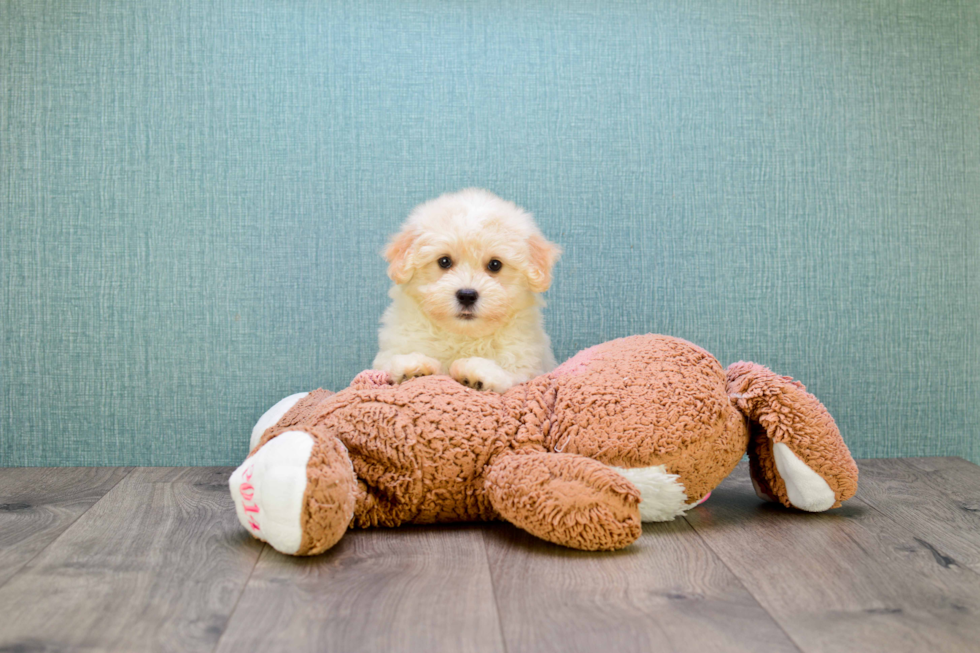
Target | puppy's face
(471,260)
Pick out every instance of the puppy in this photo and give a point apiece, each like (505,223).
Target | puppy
(468,269)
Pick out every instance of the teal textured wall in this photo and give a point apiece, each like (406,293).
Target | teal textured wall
(194,193)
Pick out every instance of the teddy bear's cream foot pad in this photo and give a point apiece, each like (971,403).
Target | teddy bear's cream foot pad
(805,488)
(273,415)
(662,495)
(269,487)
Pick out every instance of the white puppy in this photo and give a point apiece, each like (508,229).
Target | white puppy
(468,268)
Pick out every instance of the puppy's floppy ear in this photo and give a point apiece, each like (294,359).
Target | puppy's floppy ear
(543,257)
(397,254)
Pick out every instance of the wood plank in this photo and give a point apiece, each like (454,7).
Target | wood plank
(156,565)
(956,476)
(945,515)
(666,592)
(406,589)
(851,579)
(37,504)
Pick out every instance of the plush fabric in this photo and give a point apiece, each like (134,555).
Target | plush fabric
(776,406)
(544,454)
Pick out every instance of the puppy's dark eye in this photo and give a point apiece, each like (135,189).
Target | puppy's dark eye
(494,265)
(445,263)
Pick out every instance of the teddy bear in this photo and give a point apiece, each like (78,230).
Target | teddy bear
(636,429)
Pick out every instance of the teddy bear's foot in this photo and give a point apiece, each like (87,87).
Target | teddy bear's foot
(269,489)
(662,495)
(805,488)
(272,416)
(796,454)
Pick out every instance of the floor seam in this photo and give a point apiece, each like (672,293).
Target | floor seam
(238,599)
(741,582)
(493,589)
(66,528)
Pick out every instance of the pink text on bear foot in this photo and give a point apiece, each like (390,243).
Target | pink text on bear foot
(248,495)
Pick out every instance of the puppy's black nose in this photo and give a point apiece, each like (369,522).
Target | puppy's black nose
(467,296)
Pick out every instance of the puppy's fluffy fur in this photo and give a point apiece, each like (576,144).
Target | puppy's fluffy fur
(452,309)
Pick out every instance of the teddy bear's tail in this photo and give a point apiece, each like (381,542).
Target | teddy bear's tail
(796,454)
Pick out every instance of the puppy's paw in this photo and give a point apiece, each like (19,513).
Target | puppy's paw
(409,366)
(481,374)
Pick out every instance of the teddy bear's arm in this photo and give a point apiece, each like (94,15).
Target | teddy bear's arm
(796,453)
(566,499)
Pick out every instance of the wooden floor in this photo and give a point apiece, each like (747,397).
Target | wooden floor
(152,559)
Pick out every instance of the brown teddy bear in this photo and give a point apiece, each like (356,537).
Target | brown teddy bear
(636,429)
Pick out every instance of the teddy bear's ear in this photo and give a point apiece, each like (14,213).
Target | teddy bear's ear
(398,254)
(543,255)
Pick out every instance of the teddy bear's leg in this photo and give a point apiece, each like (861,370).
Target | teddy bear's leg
(796,454)
(272,416)
(662,495)
(296,492)
(566,499)
(776,471)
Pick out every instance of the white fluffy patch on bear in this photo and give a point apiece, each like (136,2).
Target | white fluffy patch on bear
(805,488)
(273,415)
(662,496)
(268,490)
